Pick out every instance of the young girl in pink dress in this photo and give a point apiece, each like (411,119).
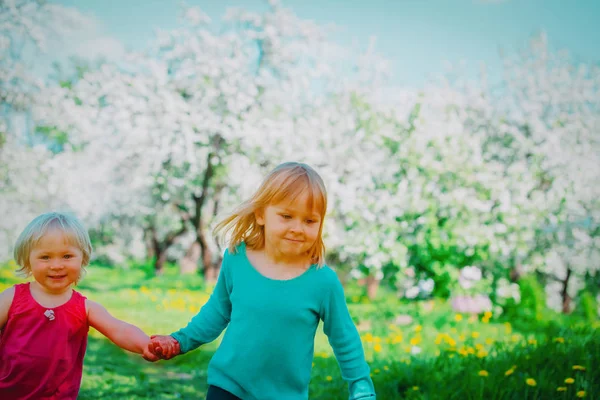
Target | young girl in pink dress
(44,324)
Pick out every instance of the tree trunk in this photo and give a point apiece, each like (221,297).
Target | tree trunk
(160,248)
(566,299)
(159,263)
(148,243)
(207,261)
(189,262)
(201,243)
(372,286)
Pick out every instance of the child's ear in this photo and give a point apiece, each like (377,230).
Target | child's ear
(259,215)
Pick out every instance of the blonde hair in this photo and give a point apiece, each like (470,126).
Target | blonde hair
(284,183)
(36,229)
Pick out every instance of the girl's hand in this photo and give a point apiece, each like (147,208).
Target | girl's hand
(149,355)
(164,346)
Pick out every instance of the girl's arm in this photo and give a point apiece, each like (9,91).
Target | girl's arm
(6,298)
(124,335)
(213,317)
(345,341)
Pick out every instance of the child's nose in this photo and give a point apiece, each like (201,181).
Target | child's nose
(297,226)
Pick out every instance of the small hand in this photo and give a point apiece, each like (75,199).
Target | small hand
(164,346)
(149,355)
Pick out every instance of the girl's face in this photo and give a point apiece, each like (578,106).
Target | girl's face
(291,228)
(55,263)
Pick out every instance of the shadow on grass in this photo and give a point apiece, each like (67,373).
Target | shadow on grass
(111,373)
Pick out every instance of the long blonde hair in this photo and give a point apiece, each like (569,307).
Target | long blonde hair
(284,183)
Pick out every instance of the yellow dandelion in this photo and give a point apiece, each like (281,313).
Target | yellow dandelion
(578,368)
(483,373)
(377,339)
(559,340)
(489,341)
(530,381)
(376,370)
(415,341)
(386,368)
(415,388)
(532,342)
(509,372)
(368,337)
(482,354)
(418,328)
(329,378)
(581,394)
(569,381)
(377,347)
(458,317)
(487,314)
(561,389)
(475,335)
(397,339)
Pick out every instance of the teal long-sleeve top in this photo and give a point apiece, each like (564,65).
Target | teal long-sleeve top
(268,347)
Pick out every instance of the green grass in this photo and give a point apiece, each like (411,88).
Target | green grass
(453,350)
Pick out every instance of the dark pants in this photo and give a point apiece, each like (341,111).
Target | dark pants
(216,393)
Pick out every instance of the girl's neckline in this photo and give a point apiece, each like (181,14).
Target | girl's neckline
(48,308)
(242,249)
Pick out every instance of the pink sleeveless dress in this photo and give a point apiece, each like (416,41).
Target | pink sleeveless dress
(42,349)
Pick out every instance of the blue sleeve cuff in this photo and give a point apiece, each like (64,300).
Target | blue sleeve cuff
(362,389)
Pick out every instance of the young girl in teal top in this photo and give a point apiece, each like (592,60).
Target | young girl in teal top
(272,291)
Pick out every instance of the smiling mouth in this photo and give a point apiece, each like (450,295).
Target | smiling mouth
(57,277)
(295,240)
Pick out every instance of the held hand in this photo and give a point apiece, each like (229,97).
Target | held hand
(164,346)
(149,355)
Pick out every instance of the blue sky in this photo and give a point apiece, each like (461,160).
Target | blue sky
(417,36)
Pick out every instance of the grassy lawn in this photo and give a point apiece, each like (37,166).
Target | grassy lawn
(437,355)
